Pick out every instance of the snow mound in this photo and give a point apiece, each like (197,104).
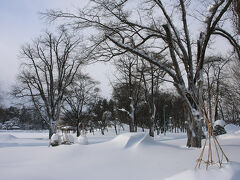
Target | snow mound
(56,140)
(7,137)
(219,123)
(230,172)
(231,128)
(83,140)
(128,140)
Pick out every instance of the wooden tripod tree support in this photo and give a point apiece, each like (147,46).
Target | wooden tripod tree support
(212,143)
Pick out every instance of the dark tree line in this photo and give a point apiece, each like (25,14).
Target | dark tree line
(20,118)
(174,111)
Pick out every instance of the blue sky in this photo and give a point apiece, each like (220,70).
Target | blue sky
(20,22)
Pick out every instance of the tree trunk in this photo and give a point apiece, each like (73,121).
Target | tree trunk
(151,131)
(151,128)
(115,127)
(132,116)
(131,127)
(135,126)
(52,130)
(102,131)
(50,133)
(194,134)
(78,131)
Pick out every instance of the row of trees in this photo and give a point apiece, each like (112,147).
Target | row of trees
(154,33)
(149,44)
(20,118)
(85,109)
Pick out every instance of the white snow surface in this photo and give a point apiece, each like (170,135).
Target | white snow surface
(55,137)
(123,157)
(231,128)
(7,137)
(83,140)
(219,123)
(130,140)
(230,171)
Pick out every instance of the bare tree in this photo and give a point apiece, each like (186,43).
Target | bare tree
(128,75)
(230,104)
(236,15)
(214,74)
(80,95)
(49,66)
(152,30)
(151,78)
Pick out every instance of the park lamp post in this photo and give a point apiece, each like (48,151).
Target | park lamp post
(164,119)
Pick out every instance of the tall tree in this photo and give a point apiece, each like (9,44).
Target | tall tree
(80,95)
(151,77)
(213,72)
(128,78)
(49,66)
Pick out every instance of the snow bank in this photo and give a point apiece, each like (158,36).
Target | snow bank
(231,128)
(219,123)
(165,157)
(230,172)
(55,140)
(7,137)
(128,140)
(83,140)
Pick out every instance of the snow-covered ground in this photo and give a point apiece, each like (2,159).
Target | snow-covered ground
(25,155)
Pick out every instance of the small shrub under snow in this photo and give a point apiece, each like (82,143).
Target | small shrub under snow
(219,123)
(218,127)
(67,139)
(83,140)
(218,130)
(55,140)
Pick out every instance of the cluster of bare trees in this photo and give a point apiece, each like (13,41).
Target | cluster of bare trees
(153,31)
(81,95)
(228,108)
(169,110)
(141,80)
(151,41)
(236,14)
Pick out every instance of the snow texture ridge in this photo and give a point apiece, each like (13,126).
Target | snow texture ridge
(7,137)
(122,157)
(231,128)
(128,140)
(230,172)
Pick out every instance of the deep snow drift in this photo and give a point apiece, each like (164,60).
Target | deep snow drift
(25,155)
